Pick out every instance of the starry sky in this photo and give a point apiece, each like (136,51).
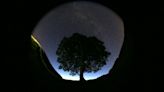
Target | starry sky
(87,18)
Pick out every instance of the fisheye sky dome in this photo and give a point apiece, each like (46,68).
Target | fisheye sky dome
(87,18)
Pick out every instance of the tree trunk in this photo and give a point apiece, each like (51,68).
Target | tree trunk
(81,73)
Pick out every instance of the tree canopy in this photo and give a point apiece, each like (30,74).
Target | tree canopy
(78,54)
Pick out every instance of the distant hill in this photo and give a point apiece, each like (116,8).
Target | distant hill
(40,66)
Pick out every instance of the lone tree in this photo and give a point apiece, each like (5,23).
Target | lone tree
(78,54)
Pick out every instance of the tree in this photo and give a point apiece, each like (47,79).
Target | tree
(78,54)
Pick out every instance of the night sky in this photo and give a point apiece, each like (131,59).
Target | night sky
(90,19)
(138,67)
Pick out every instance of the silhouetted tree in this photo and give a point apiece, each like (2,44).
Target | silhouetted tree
(78,54)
